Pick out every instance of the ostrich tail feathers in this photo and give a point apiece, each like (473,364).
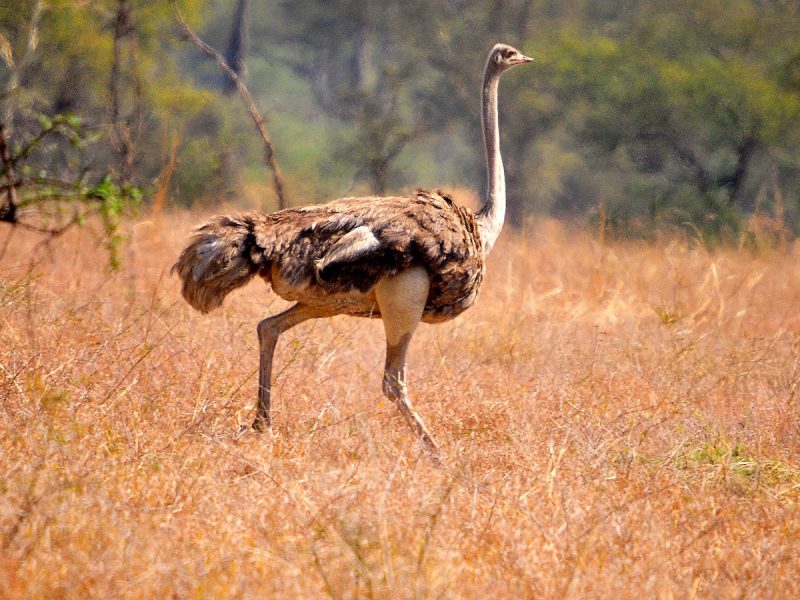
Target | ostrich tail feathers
(221,257)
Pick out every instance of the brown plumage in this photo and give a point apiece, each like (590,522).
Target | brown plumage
(321,255)
(403,259)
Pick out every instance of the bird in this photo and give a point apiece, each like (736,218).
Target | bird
(405,260)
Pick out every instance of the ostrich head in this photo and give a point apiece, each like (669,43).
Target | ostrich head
(504,57)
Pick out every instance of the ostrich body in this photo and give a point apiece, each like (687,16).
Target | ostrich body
(402,259)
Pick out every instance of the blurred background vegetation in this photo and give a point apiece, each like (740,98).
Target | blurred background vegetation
(645,115)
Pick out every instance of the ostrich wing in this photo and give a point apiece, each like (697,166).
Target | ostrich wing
(353,245)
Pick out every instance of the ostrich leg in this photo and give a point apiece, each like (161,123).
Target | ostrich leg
(268,331)
(401,300)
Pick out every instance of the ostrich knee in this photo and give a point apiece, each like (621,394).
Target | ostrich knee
(269,330)
(266,332)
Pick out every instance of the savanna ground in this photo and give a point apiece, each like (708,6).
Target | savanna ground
(618,420)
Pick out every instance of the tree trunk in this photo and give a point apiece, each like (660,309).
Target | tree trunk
(8,204)
(238,46)
(122,126)
(378,168)
(733,183)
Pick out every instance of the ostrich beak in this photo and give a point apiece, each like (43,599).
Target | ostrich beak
(520,59)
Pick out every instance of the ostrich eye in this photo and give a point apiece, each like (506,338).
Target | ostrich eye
(507,53)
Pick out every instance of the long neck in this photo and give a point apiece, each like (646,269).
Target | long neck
(491,216)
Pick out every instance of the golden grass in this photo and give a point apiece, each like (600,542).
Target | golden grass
(617,421)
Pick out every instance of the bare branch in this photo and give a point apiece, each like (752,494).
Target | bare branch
(269,152)
(50,232)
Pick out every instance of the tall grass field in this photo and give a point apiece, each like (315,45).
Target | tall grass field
(617,420)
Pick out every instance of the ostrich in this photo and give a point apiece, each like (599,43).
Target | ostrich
(404,260)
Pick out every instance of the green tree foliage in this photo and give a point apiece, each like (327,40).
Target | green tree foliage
(691,117)
(664,114)
(152,100)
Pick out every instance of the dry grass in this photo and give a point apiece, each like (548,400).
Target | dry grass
(617,421)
